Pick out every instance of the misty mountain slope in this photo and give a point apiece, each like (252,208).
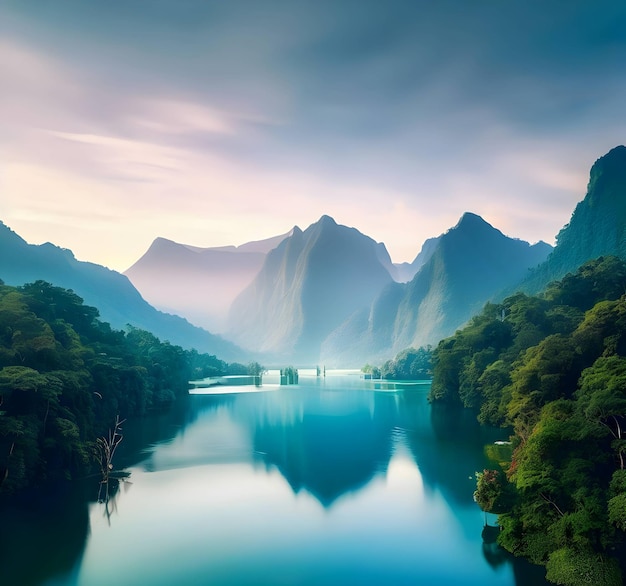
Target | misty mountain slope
(276,288)
(118,302)
(353,343)
(471,263)
(597,226)
(406,271)
(198,283)
(310,284)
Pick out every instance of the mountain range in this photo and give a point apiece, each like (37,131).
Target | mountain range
(330,294)
(308,286)
(467,266)
(199,284)
(455,275)
(117,300)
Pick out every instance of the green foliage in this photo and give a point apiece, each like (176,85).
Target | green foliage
(494,379)
(501,454)
(448,361)
(617,511)
(255,369)
(373,370)
(65,376)
(409,364)
(597,280)
(494,494)
(205,365)
(553,368)
(618,482)
(235,368)
(581,567)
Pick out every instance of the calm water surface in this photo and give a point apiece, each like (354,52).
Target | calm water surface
(331,482)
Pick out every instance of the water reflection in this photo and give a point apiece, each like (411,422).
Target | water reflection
(225,479)
(325,442)
(331,442)
(43,536)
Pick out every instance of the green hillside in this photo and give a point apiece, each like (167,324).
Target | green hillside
(553,368)
(65,376)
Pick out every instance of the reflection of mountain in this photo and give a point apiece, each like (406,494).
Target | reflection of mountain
(448,446)
(326,437)
(331,442)
(336,445)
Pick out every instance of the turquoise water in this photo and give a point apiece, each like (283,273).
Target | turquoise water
(330,482)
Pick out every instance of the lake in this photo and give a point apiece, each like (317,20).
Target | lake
(334,481)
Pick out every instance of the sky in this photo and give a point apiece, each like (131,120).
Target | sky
(219,122)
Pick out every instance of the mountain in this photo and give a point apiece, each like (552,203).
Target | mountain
(597,227)
(467,267)
(118,302)
(310,284)
(405,271)
(198,283)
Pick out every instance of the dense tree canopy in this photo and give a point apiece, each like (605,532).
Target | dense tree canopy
(554,369)
(65,376)
(409,364)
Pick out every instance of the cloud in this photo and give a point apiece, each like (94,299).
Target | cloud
(216,123)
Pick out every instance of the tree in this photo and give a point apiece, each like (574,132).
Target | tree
(560,380)
(64,376)
(255,369)
(602,399)
(373,370)
(597,280)
(494,493)
(581,567)
(493,381)
(409,364)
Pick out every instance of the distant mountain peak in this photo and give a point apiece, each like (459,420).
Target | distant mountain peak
(616,155)
(200,283)
(469,219)
(327,220)
(161,245)
(307,287)
(66,252)
(118,302)
(607,178)
(160,239)
(6,233)
(613,162)
(597,226)
(473,226)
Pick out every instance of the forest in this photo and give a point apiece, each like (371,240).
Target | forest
(552,368)
(408,364)
(65,376)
